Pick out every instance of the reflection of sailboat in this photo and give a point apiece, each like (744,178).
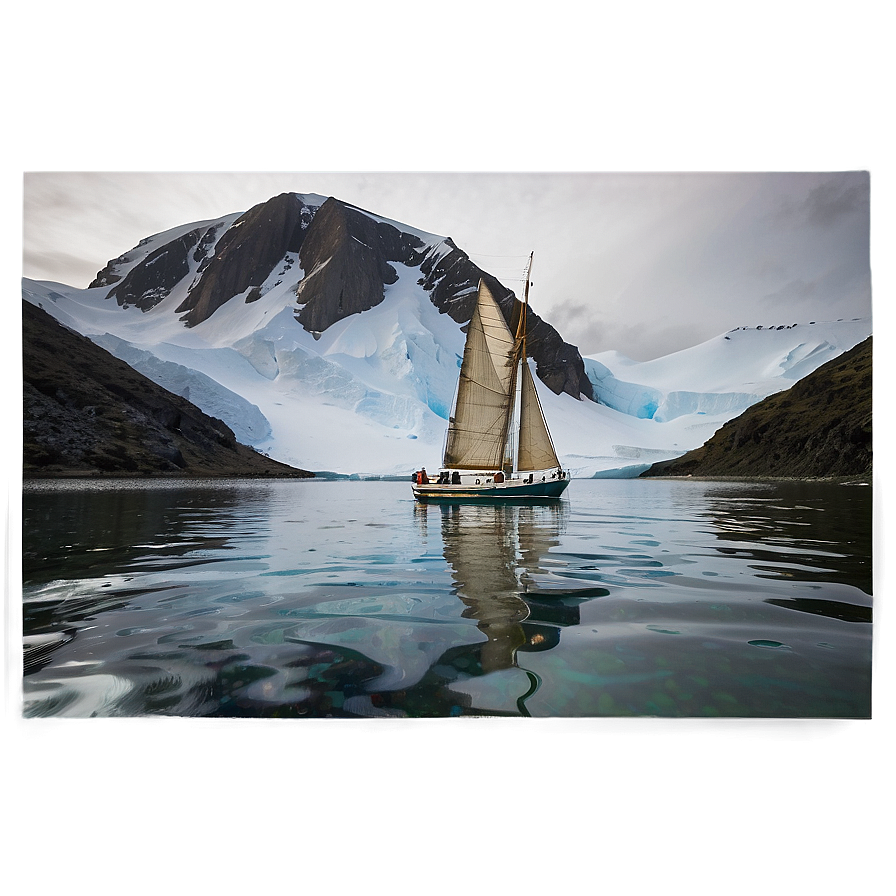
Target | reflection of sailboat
(486,457)
(481,551)
(497,554)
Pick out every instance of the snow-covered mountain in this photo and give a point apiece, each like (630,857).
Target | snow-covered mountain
(724,375)
(330,339)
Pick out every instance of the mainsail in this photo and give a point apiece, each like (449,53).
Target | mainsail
(477,431)
(479,428)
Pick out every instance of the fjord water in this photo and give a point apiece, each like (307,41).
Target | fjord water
(348,599)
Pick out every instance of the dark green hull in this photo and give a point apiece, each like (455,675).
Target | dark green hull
(489,494)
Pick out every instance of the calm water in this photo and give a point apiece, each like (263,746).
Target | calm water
(310,599)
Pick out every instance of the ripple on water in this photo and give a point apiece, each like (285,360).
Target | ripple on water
(208,606)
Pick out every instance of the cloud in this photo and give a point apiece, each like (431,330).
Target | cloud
(577,324)
(639,339)
(830,202)
(841,291)
(45,265)
(824,200)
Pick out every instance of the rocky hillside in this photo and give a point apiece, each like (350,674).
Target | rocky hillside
(87,413)
(819,427)
(347,256)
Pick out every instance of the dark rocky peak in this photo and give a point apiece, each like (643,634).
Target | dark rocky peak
(451,280)
(346,254)
(109,274)
(153,279)
(345,258)
(399,245)
(247,253)
(205,250)
(559,364)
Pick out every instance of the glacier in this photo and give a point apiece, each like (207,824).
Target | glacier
(370,395)
(724,375)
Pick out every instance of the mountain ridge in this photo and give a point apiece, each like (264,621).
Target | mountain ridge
(346,254)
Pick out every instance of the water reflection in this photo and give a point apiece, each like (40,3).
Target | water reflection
(496,556)
(94,547)
(804,532)
(481,549)
(449,646)
(348,599)
(494,553)
(84,531)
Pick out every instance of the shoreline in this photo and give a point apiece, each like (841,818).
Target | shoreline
(859,479)
(150,477)
(98,474)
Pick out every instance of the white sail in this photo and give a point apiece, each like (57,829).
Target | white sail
(477,431)
(536,450)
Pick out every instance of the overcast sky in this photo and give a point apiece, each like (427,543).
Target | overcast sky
(646,264)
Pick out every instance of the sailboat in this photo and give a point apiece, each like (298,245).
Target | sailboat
(498,446)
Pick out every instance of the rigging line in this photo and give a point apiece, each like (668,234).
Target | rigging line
(486,255)
(506,267)
(494,390)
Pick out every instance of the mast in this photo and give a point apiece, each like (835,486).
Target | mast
(511,456)
(535,450)
(521,328)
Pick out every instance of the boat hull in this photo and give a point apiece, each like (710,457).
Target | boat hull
(490,494)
